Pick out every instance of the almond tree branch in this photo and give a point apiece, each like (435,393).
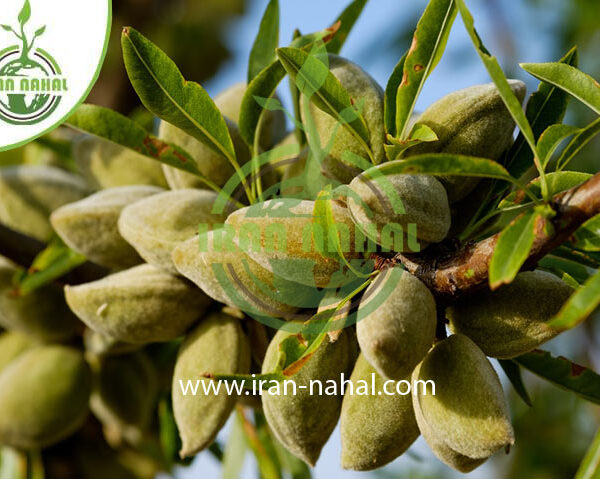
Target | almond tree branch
(465,271)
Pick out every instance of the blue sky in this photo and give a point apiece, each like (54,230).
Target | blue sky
(369,46)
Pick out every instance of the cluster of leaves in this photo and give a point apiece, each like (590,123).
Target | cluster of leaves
(539,146)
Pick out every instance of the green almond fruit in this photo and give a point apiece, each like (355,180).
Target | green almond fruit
(140,305)
(277,235)
(217,346)
(12,345)
(107,165)
(156,225)
(399,212)
(272,128)
(396,323)
(363,89)
(98,344)
(513,319)
(303,421)
(467,419)
(211,164)
(30,193)
(236,280)
(89,226)
(375,428)
(473,121)
(42,314)
(44,397)
(124,395)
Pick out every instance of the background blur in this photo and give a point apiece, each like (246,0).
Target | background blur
(210,40)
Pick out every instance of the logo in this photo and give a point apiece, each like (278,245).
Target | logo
(50,56)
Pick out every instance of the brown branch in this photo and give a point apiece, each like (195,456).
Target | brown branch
(465,271)
(22,250)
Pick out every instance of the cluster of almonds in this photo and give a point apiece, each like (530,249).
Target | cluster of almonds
(142,223)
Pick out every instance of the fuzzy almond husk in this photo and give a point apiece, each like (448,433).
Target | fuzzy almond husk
(467,420)
(233,278)
(107,165)
(396,323)
(363,89)
(156,225)
(301,421)
(513,319)
(89,226)
(287,220)
(139,305)
(30,193)
(473,121)
(375,429)
(12,345)
(44,397)
(124,395)
(42,314)
(211,164)
(217,346)
(406,205)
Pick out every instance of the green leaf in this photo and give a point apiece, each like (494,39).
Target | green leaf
(419,134)
(512,249)
(557,182)
(560,266)
(8,28)
(56,260)
(545,107)
(314,79)
(235,451)
(563,373)
(391,97)
(163,91)
(587,237)
(508,97)
(578,142)
(551,139)
(264,85)
(579,306)
(590,466)
(569,79)
(267,464)
(513,373)
(40,31)
(116,128)
(25,13)
(428,44)
(587,259)
(266,42)
(445,164)
(347,19)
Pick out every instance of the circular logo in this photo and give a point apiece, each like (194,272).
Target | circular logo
(31,86)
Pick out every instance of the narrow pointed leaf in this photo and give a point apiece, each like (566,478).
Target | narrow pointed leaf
(428,43)
(391,97)
(163,91)
(582,138)
(545,107)
(559,266)
(313,76)
(495,71)
(347,20)
(116,128)
(513,373)
(568,78)
(563,373)
(266,42)
(512,249)
(40,31)
(552,137)
(579,306)
(590,466)
(235,451)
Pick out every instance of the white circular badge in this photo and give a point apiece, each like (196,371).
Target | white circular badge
(50,57)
